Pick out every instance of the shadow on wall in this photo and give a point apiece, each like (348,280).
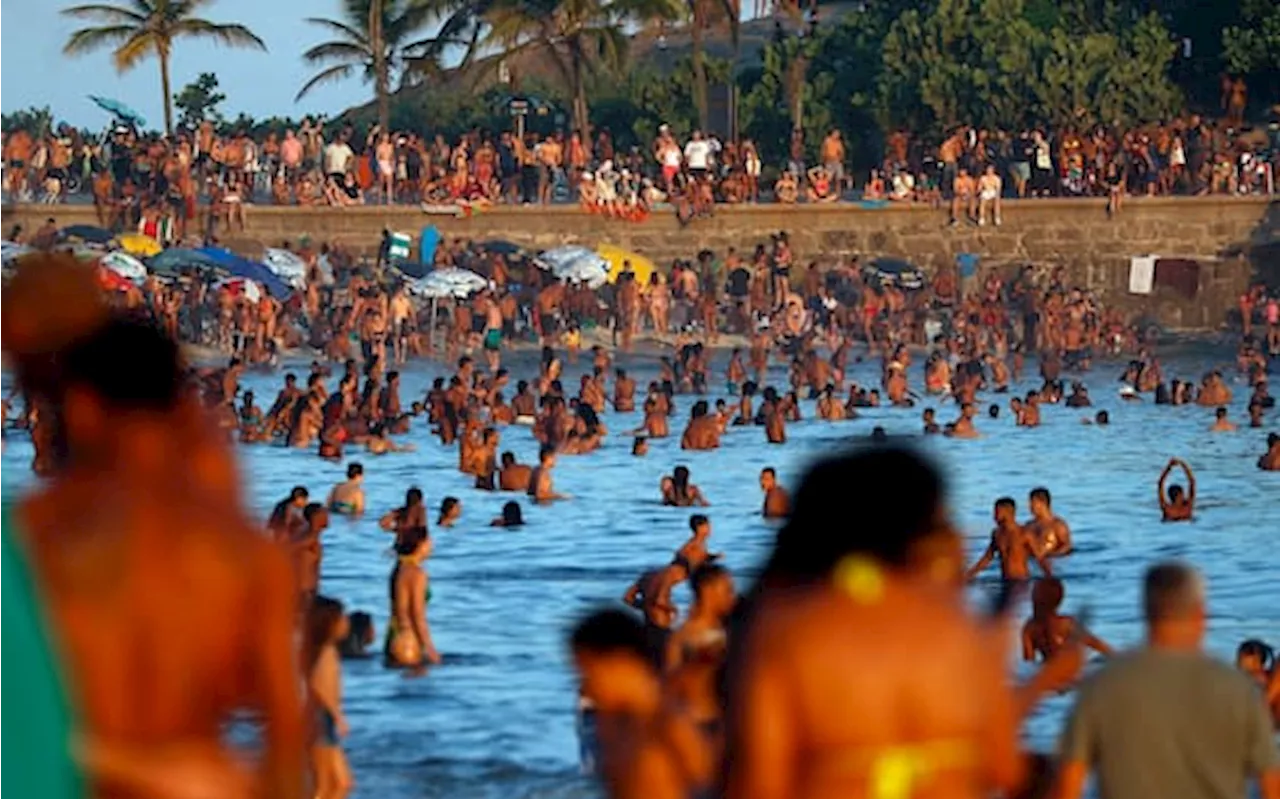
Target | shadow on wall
(1263,248)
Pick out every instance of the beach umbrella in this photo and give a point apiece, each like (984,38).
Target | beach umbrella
(616,256)
(462,282)
(139,244)
(576,264)
(286,265)
(238,266)
(89,234)
(120,110)
(432,291)
(179,260)
(124,265)
(507,249)
(10,250)
(894,272)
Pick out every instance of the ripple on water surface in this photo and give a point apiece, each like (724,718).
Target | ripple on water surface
(497,719)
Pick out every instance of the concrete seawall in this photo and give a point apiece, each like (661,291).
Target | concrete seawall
(1231,237)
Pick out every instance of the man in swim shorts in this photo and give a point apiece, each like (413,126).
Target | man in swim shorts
(493,334)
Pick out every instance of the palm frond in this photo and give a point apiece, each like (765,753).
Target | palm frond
(87,40)
(342,30)
(331,75)
(337,51)
(232,35)
(143,43)
(100,12)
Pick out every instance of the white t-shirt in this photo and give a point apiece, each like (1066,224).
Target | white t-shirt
(336,157)
(697,153)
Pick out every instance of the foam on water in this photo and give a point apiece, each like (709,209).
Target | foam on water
(498,719)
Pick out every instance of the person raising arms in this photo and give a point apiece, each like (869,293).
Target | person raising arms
(1176,505)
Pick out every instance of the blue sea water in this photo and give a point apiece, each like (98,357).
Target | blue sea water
(497,720)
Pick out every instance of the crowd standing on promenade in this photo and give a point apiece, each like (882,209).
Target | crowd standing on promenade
(119,425)
(205,173)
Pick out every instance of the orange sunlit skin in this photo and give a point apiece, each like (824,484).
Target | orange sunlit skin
(172,612)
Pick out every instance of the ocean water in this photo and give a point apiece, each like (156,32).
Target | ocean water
(497,720)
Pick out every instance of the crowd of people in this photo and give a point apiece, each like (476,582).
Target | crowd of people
(212,175)
(773,694)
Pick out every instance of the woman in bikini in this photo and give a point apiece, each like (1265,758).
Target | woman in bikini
(408,636)
(327,625)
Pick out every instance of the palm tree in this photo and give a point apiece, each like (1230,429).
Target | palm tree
(702,13)
(576,35)
(139,28)
(375,38)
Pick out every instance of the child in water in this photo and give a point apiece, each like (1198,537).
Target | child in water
(327,627)
(1047,631)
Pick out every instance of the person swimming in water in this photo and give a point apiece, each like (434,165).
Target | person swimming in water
(777,502)
(678,491)
(1221,424)
(347,497)
(1047,631)
(450,512)
(511,516)
(1176,505)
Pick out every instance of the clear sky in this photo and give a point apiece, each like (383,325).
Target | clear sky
(33,70)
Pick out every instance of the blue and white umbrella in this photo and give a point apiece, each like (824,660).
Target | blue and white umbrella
(576,264)
(286,265)
(10,250)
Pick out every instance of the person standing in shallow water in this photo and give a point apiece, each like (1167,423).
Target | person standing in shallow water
(777,502)
(347,497)
(1051,532)
(1047,631)
(327,626)
(409,641)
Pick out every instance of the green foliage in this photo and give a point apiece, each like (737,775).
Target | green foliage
(987,63)
(198,101)
(1253,46)
(35,121)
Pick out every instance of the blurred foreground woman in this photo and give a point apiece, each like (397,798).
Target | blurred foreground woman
(857,670)
(170,611)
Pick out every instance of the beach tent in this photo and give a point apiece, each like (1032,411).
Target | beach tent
(641,266)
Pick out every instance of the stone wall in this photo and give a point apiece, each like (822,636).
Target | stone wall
(1222,233)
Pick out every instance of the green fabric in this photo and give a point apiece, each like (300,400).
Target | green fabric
(36,724)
